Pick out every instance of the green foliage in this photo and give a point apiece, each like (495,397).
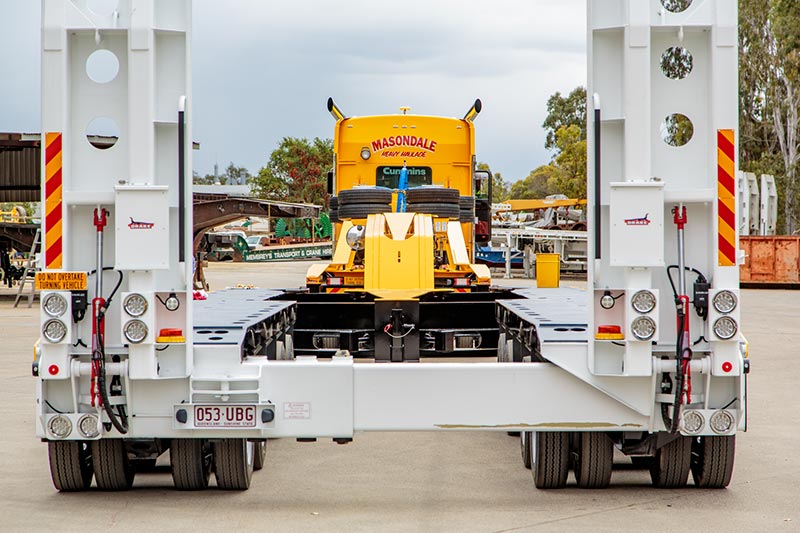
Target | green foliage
(565,111)
(769,98)
(500,188)
(535,185)
(296,171)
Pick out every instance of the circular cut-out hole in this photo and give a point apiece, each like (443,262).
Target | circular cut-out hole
(676,6)
(102,133)
(102,66)
(103,7)
(676,62)
(677,130)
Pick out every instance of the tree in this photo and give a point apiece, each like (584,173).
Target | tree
(236,175)
(535,185)
(769,98)
(561,111)
(570,163)
(296,171)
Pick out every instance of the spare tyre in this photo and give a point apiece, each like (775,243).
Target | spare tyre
(432,194)
(437,209)
(365,195)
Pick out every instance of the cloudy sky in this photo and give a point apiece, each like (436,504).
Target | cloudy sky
(263,70)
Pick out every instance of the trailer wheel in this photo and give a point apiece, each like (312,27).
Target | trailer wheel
(525,444)
(260,450)
(191,463)
(433,194)
(365,195)
(233,463)
(712,461)
(670,466)
(70,465)
(350,211)
(550,459)
(594,458)
(112,468)
(441,210)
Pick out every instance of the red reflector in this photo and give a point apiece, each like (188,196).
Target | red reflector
(461,282)
(170,332)
(727,366)
(336,281)
(53,369)
(609,329)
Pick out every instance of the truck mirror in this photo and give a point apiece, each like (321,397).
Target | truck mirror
(330,182)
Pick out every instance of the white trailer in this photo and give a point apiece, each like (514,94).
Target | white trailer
(129,366)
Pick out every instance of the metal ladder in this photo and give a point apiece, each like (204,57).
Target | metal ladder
(29,265)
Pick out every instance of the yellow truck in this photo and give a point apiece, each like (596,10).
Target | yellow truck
(409,205)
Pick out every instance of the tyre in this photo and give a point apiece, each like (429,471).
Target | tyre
(233,463)
(594,458)
(350,211)
(466,215)
(191,463)
(433,194)
(364,195)
(550,455)
(450,211)
(525,441)
(112,468)
(333,203)
(712,461)
(670,466)
(466,203)
(334,216)
(70,465)
(260,453)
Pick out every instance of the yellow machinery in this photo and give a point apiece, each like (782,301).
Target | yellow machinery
(406,199)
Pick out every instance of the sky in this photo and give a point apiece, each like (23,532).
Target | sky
(264,69)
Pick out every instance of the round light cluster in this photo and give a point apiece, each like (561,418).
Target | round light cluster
(54,305)
(88,426)
(135,304)
(355,237)
(172,303)
(724,301)
(725,327)
(721,421)
(365,153)
(135,331)
(54,330)
(59,426)
(607,301)
(692,422)
(643,301)
(643,328)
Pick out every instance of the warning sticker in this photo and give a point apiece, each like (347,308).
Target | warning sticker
(61,281)
(296,410)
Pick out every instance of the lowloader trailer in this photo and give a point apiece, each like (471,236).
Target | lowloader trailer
(650,359)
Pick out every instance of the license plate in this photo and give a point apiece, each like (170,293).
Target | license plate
(225,416)
(61,281)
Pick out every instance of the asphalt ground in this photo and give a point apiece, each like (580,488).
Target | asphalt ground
(458,481)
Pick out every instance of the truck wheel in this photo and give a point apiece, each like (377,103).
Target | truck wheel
(70,465)
(433,194)
(365,195)
(191,463)
(712,461)
(550,455)
(593,460)
(112,468)
(233,463)
(438,209)
(350,211)
(670,466)
(260,450)
(525,443)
